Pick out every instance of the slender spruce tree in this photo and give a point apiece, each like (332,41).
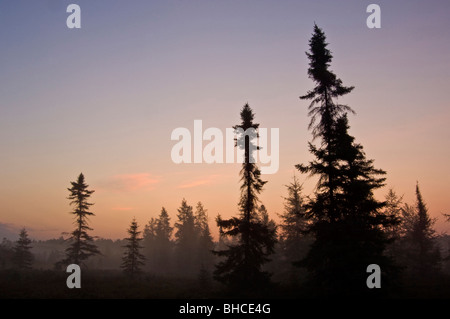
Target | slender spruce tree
(294,240)
(205,240)
(81,243)
(293,222)
(23,258)
(132,259)
(265,219)
(241,265)
(163,228)
(424,255)
(395,232)
(163,241)
(150,245)
(186,239)
(347,222)
(158,243)
(324,111)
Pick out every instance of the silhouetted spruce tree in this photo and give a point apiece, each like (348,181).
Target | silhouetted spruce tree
(347,222)
(205,240)
(424,255)
(294,241)
(394,232)
(132,259)
(324,106)
(163,228)
(293,221)
(241,266)
(23,258)
(408,220)
(150,246)
(265,219)
(186,239)
(82,246)
(163,242)
(393,207)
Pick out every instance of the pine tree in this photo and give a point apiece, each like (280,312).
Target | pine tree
(424,254)
(294,240)
(393,207)
(242,267)
(264,218)
(186,238)
(394,232)
(408,220)
(150,231)
(293,221)
(82,246)
(23,258)
(150,246)
(132,259)
(347,222)
(205,240)
(328,89)
(163,242)
(163,228)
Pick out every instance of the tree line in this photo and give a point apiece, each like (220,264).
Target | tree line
(324,241)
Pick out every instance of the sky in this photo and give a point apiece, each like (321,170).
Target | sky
(105,98)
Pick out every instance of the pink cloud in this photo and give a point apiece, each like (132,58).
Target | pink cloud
(130,182)
(203,181)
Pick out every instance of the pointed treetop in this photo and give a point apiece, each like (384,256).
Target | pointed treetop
(328,87)
(80,178)
(420,203)
(247,117)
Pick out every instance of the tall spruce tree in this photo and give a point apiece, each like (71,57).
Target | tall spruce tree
(324,106)
(150,246)
(163,228)
(395,232)
(205,240)
(265,219)
(163,241)
(294,241)
(82,246)
(393,207)
(347,222)
(241,266)
(132,259)
(424,255)
(23,258)
(186,239)
(293,222)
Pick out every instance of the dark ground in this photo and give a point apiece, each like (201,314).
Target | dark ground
(97,284)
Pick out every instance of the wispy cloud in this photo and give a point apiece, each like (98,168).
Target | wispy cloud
(206,180)
(130,182)
(122,209)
